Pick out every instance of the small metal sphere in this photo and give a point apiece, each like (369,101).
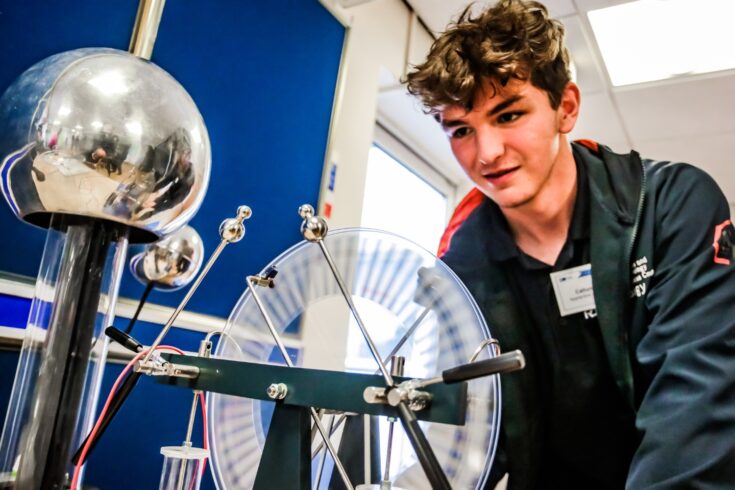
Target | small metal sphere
(314,228)
(244,212)
(306,211)
(231,230)
(172,262)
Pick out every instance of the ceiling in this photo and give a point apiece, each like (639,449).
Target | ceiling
(688,119)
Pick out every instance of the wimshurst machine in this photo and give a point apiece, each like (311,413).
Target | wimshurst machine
(317,413)
(387,334)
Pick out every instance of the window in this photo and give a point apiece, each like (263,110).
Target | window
(411,202)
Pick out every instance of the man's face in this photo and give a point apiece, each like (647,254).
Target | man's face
(509,143)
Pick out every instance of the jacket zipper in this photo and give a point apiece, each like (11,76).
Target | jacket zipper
(634,236)
(639,211)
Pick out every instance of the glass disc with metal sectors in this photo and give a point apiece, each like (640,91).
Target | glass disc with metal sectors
(409,301)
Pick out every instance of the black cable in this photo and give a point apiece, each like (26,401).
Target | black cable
(115,404)
(148,289)
(120,395)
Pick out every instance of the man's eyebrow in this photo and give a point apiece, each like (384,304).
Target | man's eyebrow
(498,108)
(505,104)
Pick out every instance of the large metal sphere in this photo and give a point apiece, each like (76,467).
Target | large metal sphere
(104,134)
(171,263)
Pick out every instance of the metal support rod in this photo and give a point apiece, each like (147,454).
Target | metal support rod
(186,299)
(408,333)
(187,441)
(253,282)
(388,452)
(393,352)
(397,365)
(320,468)
(340,420)
(192,417)
(231,231)
(366,452)
(348,298)
(145,29)
(314,431)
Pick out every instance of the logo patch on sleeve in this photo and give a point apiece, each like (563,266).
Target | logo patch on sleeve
(724,241)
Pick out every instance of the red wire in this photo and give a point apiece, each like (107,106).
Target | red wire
(83,455)
(204,426)
(204,423)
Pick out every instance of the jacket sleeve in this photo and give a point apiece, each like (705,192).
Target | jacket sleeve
(687,352)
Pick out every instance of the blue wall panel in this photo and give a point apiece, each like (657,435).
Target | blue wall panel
(263,75)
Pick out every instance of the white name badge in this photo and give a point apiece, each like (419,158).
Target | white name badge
(573,289)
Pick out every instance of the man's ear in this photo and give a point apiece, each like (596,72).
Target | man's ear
(568,110)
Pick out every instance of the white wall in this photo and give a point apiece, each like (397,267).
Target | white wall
(378,33)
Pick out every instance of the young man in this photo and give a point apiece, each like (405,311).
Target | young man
(612,274)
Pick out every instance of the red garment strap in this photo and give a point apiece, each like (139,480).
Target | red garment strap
(468,204)
(592,145)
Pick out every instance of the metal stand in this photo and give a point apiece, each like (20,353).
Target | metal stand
(288,442)
(306,388)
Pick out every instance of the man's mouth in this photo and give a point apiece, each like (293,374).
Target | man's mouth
(500,175)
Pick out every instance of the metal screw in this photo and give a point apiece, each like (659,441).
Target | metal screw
(277,391)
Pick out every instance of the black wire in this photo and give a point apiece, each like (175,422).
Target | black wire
(115,404)
(122,393)
(148,289)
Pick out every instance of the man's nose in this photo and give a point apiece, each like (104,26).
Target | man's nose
(490,145)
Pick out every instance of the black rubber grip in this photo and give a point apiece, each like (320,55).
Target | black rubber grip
(504,363)
(123,339)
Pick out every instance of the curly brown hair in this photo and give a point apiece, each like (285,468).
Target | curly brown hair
(513,39)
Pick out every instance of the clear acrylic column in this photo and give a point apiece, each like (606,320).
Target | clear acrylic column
(182,467)
(57,383)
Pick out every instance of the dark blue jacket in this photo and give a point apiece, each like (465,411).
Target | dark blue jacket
(660,244)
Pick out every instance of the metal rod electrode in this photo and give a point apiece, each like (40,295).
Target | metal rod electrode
(145,29)
(231,231)
(314,229)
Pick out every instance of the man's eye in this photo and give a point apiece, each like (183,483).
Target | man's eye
(509,117)
(460,132)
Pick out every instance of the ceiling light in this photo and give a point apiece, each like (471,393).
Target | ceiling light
(650,40)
